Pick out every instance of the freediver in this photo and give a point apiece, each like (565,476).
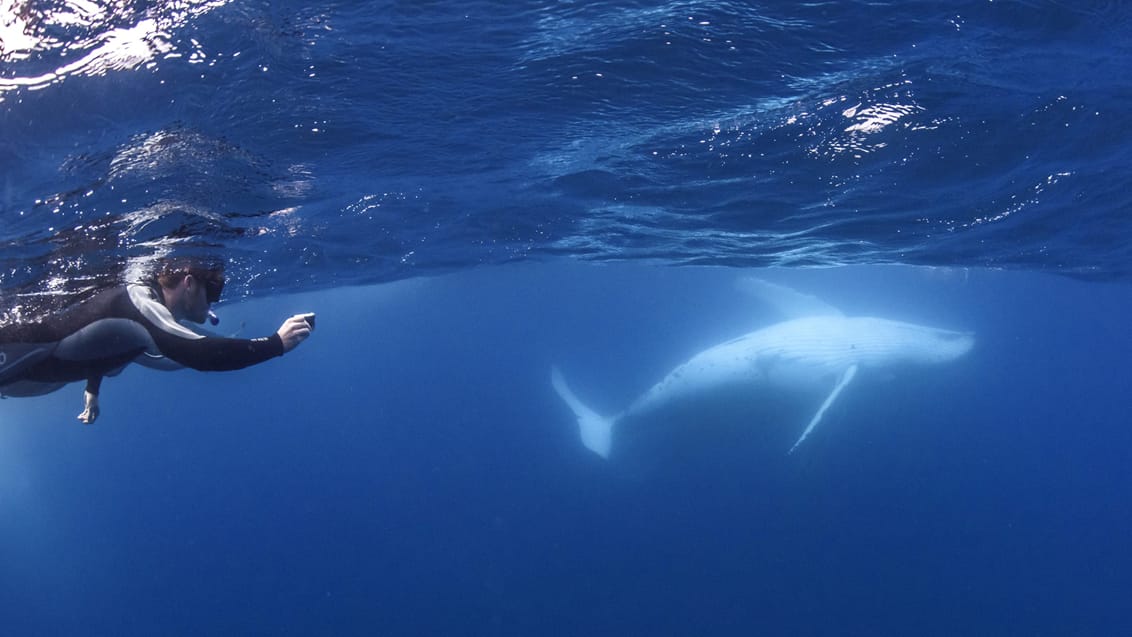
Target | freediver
(137,322)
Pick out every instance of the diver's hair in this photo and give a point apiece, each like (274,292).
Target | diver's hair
(173,271)
(170,279)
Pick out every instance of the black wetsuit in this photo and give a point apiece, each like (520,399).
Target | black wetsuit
(103,334)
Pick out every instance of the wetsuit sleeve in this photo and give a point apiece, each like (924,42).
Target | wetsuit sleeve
(186,347)
(94,384)
(216,354)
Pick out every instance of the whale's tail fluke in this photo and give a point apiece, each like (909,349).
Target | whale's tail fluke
(597,431)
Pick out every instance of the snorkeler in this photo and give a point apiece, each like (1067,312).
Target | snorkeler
(138,322)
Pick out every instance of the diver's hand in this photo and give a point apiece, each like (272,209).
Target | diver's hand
(295,330)
(90,414)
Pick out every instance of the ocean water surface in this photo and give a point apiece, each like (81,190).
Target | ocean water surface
(469,194)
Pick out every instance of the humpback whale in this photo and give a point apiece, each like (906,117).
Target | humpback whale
(822,349)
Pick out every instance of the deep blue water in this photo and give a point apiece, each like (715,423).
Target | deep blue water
(470,193)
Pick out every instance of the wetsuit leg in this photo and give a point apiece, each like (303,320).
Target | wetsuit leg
(104,339)
(26,388)
(15,358)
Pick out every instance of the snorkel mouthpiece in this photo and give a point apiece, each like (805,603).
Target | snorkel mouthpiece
(213,319)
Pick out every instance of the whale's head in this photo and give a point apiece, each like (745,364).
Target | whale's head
(884,342)
(929,345)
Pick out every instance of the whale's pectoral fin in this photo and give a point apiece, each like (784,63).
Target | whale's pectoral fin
(845,378)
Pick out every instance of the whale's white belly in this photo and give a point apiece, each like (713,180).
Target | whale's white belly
(797,355)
